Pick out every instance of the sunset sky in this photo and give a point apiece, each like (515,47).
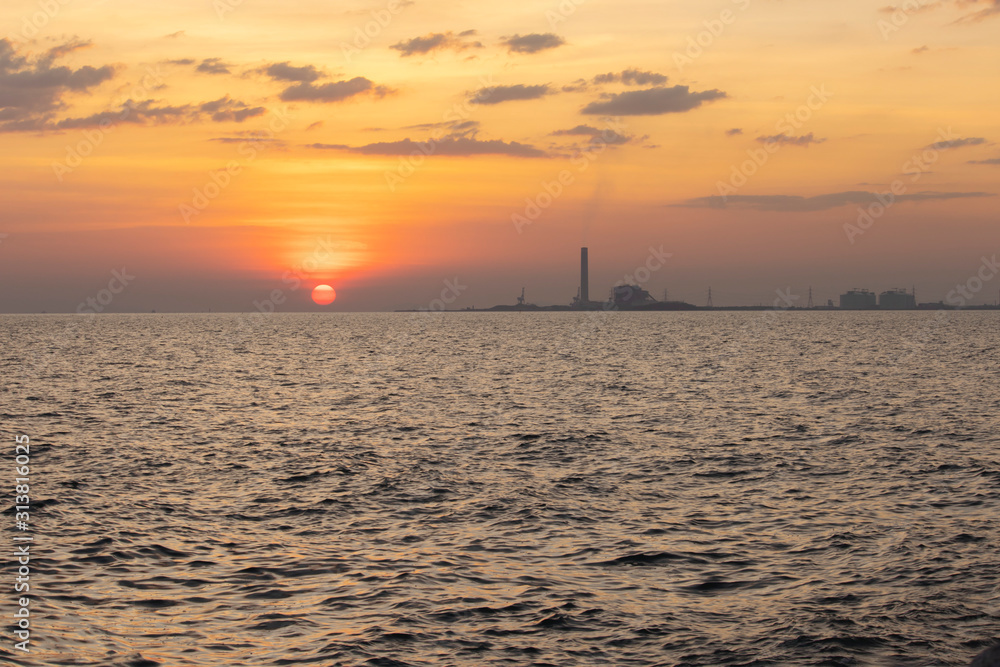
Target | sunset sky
(219,152)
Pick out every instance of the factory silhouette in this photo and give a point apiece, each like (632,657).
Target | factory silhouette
(635,297)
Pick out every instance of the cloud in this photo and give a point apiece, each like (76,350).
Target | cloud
(287,72)
(992,9)
(920,49)
(652,101)
(227,109)
(792,203)
(577,86)
(254,137)
(632,77)
(435,41)
(995,161)
(451,146)
(182,61)
(33,91)
(335,91)
(732,132)
(790,140)
(146,112)
(498,94)
(532,43)
(597,136)
(213,66)
(174,35)
(956,143)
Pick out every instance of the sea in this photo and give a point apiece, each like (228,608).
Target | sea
(540,489)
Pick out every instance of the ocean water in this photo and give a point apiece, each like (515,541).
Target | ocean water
(708,488)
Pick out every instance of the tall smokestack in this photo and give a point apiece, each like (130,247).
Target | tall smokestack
(584,278)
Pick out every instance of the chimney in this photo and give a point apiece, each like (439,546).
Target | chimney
(584,279)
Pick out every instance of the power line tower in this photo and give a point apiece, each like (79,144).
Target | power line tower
(665,295)
(709,304)
(810,304)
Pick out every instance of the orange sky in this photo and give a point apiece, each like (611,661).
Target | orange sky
(221,150)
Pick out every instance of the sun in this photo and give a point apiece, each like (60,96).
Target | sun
(324,295)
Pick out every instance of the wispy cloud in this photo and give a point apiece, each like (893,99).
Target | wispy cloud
(956,143)
(451,146)
(794,203)
(790,140)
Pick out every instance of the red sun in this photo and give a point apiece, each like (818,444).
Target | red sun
(324,295)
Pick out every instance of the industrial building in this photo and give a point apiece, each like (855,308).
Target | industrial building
(582,299)
(858,299)
(897,299)
(630,296)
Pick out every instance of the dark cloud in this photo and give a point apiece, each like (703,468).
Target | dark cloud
(792,203)
(632,77)
(287,72)
(435,41)
(532,43)
(734,131)
(498,94)
(213,66)
(33,91)
(995,161)
(791,140)
(920,49)
(335,91)
(452,146)
(652,101)
(182,61)
(957,143)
